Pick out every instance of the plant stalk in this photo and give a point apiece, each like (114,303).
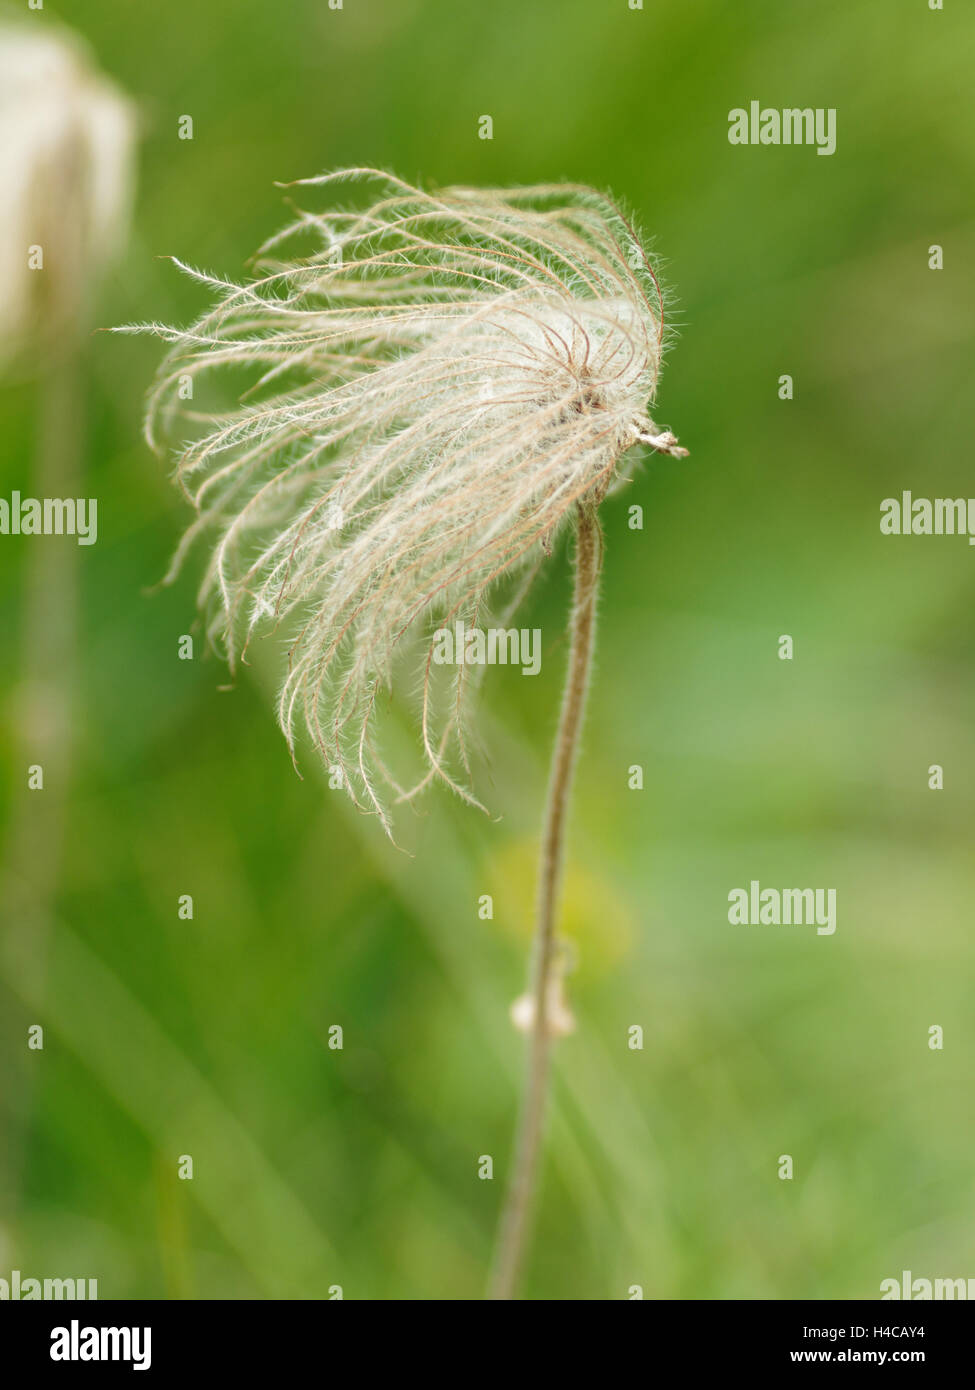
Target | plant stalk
(516,1212)
(30,859)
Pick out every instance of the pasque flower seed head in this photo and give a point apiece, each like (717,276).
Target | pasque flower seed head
(434,384)
(67,139)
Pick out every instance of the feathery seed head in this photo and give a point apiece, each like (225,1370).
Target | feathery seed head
(433,388)
(67,138)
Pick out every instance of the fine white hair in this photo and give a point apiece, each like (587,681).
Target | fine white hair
(433,390)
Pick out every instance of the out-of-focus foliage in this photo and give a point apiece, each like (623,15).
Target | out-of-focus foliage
(210,1036)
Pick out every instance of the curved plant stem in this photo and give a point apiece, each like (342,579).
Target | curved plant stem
(516,1213)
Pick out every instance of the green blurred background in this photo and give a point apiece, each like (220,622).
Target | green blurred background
(165,1037)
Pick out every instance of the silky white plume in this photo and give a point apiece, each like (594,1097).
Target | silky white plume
(434,386)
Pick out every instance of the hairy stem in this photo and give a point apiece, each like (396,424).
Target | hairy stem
(516,1213)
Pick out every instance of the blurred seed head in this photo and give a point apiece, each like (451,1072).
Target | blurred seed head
(66,145)
(434,384)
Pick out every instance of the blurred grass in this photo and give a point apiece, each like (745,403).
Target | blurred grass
(316,1167)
